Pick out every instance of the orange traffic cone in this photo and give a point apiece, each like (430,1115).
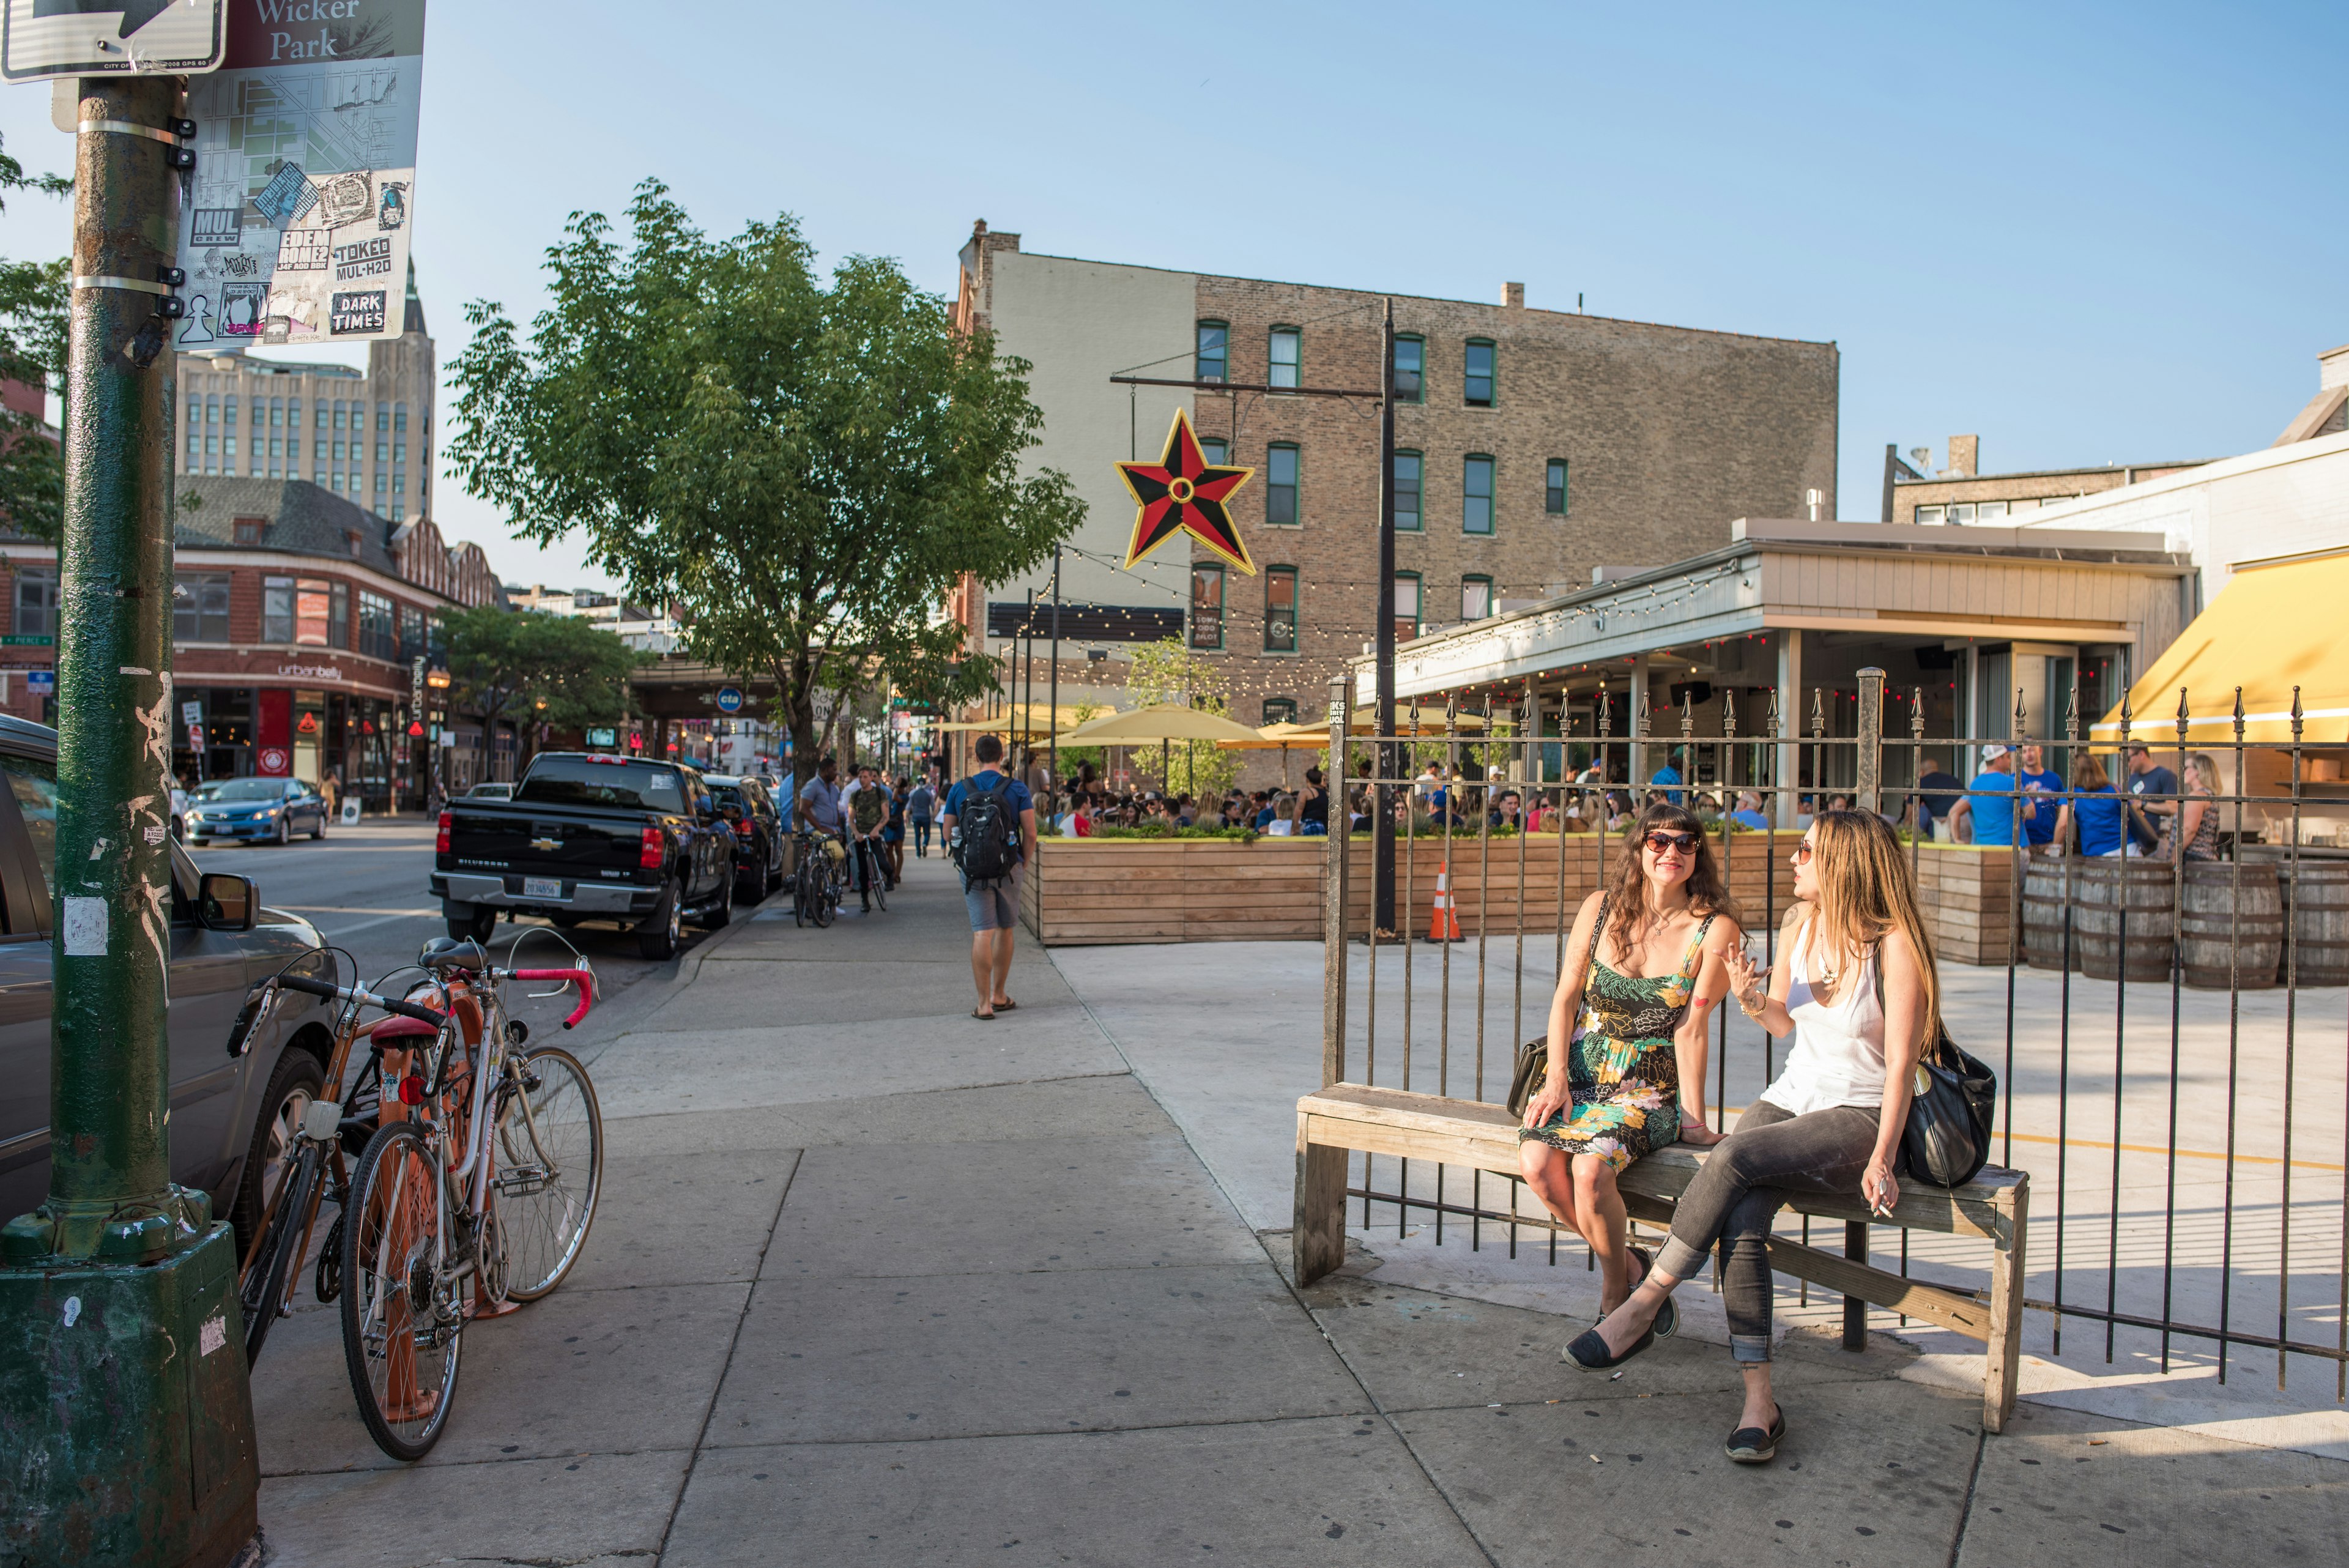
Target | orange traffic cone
(1443,921)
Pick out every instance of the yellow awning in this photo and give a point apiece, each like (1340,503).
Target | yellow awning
(2270,629)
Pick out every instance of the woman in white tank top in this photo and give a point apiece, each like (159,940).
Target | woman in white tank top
(1831,1121)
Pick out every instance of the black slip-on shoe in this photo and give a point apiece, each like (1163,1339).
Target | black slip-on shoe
(1753,1446)
(1588,1351)
(1668,1316)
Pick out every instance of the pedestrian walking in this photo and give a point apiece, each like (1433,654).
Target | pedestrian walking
(988,827)
(921,805)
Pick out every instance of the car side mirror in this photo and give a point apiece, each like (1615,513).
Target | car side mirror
(225,902)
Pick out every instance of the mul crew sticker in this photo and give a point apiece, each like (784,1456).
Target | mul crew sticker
(1183,493)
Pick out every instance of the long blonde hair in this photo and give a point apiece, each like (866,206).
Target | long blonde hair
(1865,893)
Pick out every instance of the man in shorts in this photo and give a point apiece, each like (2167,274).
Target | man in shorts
(994,905)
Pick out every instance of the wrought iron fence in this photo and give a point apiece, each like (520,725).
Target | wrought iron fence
(2171,1032)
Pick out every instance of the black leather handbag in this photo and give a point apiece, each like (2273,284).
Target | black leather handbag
(1951,1109)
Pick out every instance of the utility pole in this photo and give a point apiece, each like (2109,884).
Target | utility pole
(125,1413)
(1390,763)
(1052,765)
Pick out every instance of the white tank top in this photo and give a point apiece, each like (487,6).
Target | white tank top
(1838,1054)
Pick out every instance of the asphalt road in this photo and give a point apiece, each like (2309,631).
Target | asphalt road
(364,889)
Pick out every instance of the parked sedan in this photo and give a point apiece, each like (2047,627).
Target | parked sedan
(759,834)
(271,810)
(233,1115)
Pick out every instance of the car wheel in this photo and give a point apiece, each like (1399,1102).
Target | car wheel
(284,835)
(318,830)
(660,933)
(469,922)
(293,1085)
(564,922)
(721,913)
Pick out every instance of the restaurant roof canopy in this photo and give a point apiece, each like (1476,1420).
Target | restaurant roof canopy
(1871,579)
(2275,631)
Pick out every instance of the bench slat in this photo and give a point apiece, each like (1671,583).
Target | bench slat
(1410,1126)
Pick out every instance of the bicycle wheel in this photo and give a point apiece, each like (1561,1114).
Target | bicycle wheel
(269,1280)
(827,892)
(877,879)
(402,1326)
(550,1170)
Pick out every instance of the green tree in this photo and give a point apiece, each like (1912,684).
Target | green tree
(1168,671)
(33,310)
(503,663)
(809,471)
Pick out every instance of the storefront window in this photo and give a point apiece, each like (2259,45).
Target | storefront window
(378,630)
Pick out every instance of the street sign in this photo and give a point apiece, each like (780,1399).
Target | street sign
(195,737)
(729,698)
(192,712)
(24,640)
(310,248)
(45,38)
(41,682)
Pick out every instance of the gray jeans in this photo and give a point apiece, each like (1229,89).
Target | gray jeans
(1746,1179)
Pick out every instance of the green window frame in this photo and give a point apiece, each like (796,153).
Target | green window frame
(1280,709)
(1285,358)
(1476,597)
(1554,488)
(1213,361)
(1476,494)
(1215,450)
(1410,484)
(1407,606)
(1280,609)
(1280,496)
(1410,370)
(1476,373)
(1206,605)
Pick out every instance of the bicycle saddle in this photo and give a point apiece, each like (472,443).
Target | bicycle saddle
(443,955)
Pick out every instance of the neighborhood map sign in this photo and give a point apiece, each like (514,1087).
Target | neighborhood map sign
(297,222)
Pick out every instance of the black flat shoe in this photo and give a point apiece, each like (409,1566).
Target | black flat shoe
(1753,1446)
(1668,1316)
(1588,1351)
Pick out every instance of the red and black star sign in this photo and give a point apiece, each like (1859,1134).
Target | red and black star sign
(1180,494)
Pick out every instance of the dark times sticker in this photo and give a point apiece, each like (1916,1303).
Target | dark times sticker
(361,311)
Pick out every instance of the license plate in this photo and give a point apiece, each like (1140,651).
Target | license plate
(542,887)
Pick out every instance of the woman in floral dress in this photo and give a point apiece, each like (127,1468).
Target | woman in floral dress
(1646,963)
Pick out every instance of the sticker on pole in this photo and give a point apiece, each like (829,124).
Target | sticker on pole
(44,38)
(296,224)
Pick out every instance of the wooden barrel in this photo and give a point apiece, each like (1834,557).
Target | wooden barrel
(2317,899)
(2042,917)
(2230,927)
(2121,919)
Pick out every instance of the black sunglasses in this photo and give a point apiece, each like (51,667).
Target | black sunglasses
(1660,841)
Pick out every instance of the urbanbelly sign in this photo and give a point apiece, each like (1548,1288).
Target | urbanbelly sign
(296,225)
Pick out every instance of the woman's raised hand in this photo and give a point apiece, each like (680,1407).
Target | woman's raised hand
(1748,981)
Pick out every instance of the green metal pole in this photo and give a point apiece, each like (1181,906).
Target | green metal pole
(125,1420)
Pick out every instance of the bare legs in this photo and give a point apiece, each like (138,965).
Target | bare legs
(1579,1189)
(990,967)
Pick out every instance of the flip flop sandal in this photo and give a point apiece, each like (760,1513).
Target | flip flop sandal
(1007,1007)
(982,1017)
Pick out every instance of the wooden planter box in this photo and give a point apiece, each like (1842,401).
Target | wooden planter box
(1968,899)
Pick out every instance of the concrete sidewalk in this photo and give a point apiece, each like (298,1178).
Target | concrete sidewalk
(875,1282)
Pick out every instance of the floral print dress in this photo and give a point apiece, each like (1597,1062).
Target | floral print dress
(1622,1073)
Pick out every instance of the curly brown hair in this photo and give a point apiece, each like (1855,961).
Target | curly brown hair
(1627,896)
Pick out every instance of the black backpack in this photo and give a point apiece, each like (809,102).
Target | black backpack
(986,838)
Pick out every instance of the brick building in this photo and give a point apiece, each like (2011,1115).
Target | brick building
(1960,495)
(1536,447)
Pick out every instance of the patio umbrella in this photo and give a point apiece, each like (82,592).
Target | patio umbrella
(1159,721)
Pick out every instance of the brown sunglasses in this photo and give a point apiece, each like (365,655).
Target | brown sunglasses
(1660,841)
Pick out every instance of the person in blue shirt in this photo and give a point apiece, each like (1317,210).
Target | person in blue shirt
(2102,814)
(1669,776)
(994,907)
(2033,776)
(1749,811)
(1986,815)
(819,800)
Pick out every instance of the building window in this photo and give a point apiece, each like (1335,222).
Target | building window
(319,452)
(294,413)
(383,479)
(1991,512)
(1930,514)
(399,511)
(1406,493)
(250,530)
(399,416)
(1213,450)
(411,633)
(1280,709)
(195,446)
(1476,494)
(200,607)
(1476,374)
(382,452)
(378,626)
(1406,608)
(1282,371)
(1280,609)
(37,601)
(228,448)
(341,418)
(1962,513)
(1476,598)
(400,451)
(1214,351)
(1410,370)
(277,412)
(228,410)
(212,410)
(1206,605)
(1280,484)
(1554,488)
(277,609)
(383,416)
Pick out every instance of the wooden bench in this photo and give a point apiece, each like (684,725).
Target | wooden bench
(1345,1118)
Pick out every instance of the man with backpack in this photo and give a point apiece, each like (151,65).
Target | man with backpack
(988,824)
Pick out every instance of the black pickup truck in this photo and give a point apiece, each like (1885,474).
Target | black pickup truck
(588,836)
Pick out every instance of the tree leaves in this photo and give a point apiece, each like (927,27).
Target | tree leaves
(806,470)
(503,663)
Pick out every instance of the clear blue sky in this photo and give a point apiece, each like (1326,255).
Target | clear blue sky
(2090,234)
